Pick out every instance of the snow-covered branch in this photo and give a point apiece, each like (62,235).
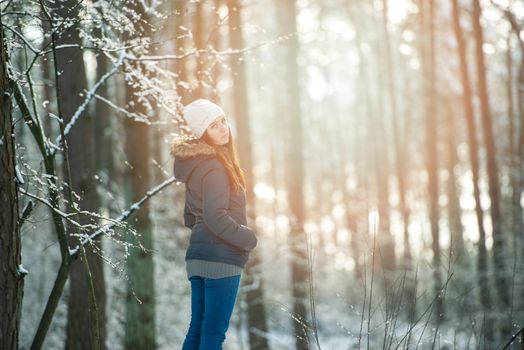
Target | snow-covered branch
(124,111)
(89,97)
(211,51)
(121,218)
(53,208)
(21,37)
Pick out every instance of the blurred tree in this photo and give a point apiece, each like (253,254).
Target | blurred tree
(257,323)
(180,13)
(79,169)
(207,38)
(399,154)
(140,299)
(427,53)
(104,122)
(516,145)
(467,98)
(399,151)
(363,108)
(407,118)
(386,259)
(48,79)
(215,44)
(200,45)
(294,172)
(516,150)
(499,252)
(457,249)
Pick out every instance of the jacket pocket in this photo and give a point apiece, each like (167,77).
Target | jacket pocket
(201,235)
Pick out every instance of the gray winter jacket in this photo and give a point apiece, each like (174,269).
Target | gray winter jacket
(216,216)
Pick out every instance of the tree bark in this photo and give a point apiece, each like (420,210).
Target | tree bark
(11,277)
(253,276)
(140,314)
(72,82)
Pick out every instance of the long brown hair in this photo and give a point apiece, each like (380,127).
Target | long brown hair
(227,154)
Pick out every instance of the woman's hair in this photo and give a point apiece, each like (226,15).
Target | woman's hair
(227,154)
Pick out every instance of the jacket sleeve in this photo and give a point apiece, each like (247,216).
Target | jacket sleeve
(215,200)
(189,218)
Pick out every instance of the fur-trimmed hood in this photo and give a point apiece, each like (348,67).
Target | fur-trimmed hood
(188,154)
(189,148)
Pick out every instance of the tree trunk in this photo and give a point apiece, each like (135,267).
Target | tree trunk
(11,277)
(364,166)
(140,300)
(103,126)
(406,134)
(294,173)
(399,146)
(516,138)
(215,44)
(429,81)
(499,253)
(519,158)
(80,143)
(201,57)
(457,248)
(467,98)
(386,258)
(253,276)
(400,165)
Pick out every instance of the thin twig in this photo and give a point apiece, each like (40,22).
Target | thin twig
(521,331)
(430,307)
(372,275)
(309,246)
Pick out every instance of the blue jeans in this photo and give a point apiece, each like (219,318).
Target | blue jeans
(212,302)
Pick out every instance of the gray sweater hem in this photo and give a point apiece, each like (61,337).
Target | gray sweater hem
(211,269)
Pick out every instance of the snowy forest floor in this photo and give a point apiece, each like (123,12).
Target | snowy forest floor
(338,297)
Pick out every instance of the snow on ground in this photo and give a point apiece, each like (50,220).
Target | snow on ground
(338,295)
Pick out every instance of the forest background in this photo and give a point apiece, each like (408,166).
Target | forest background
(383,142)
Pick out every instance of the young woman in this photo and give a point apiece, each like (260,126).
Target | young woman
(215,210)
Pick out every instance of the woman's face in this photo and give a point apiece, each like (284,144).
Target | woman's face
(218,131)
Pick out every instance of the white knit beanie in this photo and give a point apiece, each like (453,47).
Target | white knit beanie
(199,114)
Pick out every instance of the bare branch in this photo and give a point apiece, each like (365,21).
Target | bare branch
(211,52)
